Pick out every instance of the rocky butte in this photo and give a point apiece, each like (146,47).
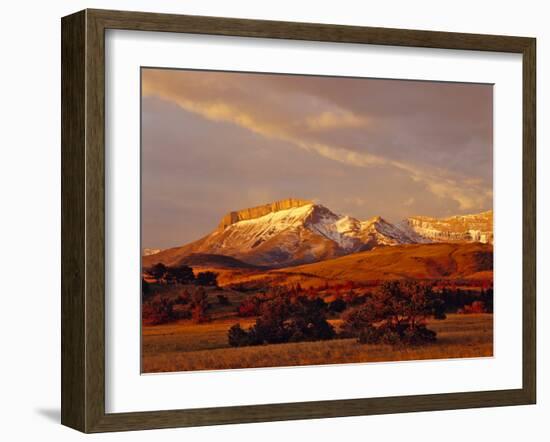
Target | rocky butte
(258,211)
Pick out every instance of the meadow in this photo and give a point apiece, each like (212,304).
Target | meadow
(183,346)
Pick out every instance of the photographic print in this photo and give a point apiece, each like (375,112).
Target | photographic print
(292,220)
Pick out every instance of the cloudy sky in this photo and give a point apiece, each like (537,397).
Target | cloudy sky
(213,142)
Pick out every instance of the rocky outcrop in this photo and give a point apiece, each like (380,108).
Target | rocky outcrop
(257,212)
(470,228)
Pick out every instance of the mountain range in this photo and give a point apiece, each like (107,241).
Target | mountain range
(294,232)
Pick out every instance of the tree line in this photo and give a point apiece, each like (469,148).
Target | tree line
(183,274)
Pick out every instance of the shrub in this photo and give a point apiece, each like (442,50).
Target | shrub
(172,275)
(158,271)
(159,310)
(352,299)
(487,298)
(207,278)
(146,291)
(369,335)
(199,306)
(456,299)
(337,306)
(389,335)
(183,298)
(180,275)
(199,314)
(223,300)
(145,287)
(358,320)
(236,336)
(475,307)
(285,318)
(308,320)
(395,314)
(249,307)
(418,335)
(162,309)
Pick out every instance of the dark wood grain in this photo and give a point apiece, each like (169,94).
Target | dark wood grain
(73,252)
(306,31)
(529,220)
(95,221)
(83,220)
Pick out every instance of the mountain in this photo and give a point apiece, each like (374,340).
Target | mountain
(468,228)
(377,231)
(286,232)
(293,232)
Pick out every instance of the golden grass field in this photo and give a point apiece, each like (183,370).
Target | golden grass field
(183,346)
(444,261)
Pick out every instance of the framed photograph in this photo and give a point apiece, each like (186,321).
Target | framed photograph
(268,221)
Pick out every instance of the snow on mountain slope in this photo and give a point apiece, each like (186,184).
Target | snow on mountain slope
(300,234)
(470,228)
(147,252)
(327,233)
(250,233)
(292,232)
(275,235)
(340,229)
(377,231)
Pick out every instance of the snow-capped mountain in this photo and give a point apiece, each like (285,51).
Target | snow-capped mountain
(147,252)
(469,228)
(292,231)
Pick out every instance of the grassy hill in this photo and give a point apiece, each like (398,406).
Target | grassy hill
(213,260)
(447,261)
(422,261)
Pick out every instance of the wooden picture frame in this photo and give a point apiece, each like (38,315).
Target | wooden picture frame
(83,220)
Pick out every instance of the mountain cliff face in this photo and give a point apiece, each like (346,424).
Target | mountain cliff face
(469,228)
(256,212)
(292,232)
